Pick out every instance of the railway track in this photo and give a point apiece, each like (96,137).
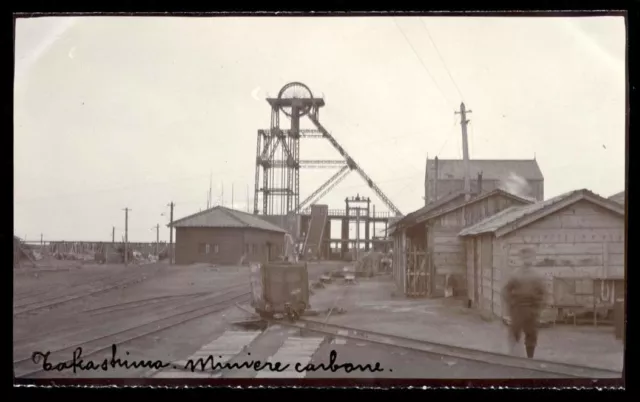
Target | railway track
(151,301)
(38,294)
(40,305)
(235,348)
(187,312)
(439,349)
(136,307)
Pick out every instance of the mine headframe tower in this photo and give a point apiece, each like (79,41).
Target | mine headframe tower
(278,156)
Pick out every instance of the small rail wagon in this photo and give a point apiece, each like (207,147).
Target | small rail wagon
(280,288)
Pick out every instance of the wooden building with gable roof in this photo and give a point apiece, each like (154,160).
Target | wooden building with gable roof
(619,197)
(429,257)
(579,241)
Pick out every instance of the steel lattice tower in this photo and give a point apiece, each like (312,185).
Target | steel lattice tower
(278,155)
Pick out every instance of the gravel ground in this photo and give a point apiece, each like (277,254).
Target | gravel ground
(163,289)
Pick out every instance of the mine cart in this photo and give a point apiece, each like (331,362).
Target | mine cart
(280,288)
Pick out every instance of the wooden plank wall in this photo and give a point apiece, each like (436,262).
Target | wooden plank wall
(450,251)
(471,284)
(580,241)
(500,253)
(449,259)
(485,272)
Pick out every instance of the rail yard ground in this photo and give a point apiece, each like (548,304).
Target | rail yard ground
(172,313)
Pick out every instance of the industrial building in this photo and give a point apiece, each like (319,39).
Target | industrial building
(444,177)
(222,235)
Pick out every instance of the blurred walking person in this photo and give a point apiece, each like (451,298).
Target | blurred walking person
(524,296)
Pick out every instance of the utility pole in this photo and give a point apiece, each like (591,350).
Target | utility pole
(465,150)
(113,234)
(126,235)
(171,233)
(41,243)
(209,199)
(357,232)
(157,227)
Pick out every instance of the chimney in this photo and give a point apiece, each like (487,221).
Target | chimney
(435,181)
(479,182)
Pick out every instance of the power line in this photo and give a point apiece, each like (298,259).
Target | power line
(422,62)
(471,142)
(424,25)
(448,136)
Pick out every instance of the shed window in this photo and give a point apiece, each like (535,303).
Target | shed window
(215,249)
(207,249)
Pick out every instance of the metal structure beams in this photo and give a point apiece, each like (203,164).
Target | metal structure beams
(354,166)
(278,156)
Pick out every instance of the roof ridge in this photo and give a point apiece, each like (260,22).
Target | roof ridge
(196,214)
(528,210)
(232,213)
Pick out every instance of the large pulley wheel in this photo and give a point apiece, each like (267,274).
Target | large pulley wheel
(293,91)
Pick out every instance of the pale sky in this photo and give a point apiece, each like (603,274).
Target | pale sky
(115,112)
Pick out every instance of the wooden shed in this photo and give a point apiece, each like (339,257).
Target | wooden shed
(618,197)
(430,258)
(579,241)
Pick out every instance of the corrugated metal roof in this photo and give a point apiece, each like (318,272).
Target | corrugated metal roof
(221,217)
(513,214)
(491,169)
(618,197)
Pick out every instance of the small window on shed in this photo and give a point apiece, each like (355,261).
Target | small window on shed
(215,249)
(207,249)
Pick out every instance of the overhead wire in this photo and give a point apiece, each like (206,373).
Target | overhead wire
(471,142)
(203,175)
(449,135)
(422,63)
(424,25)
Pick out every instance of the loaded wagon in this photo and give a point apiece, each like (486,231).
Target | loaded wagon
(280,288)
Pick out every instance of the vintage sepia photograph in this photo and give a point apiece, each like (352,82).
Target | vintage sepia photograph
(286,197)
